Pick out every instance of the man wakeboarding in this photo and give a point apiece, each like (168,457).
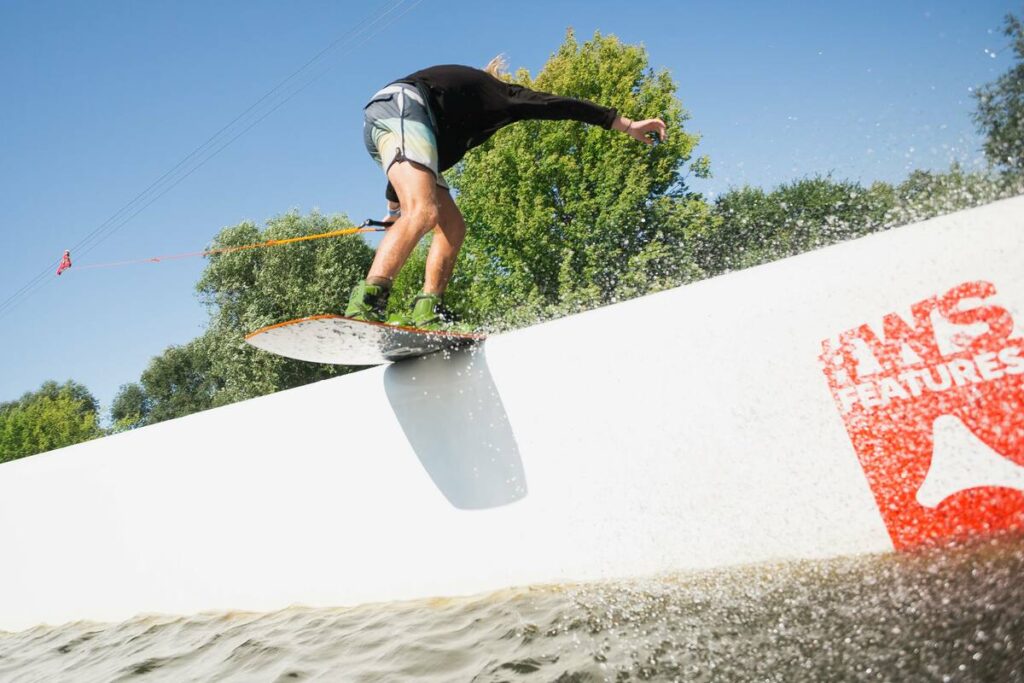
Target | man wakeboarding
(423,124)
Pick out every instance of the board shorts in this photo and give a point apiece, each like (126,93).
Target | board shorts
(398,126)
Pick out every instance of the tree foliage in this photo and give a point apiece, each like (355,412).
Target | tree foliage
(130,408)
(561,213)
(178,382)
(758,226)
(245,290)
(755,226)
(54,416)
(999,109)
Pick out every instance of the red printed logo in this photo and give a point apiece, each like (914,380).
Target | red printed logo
(934,405)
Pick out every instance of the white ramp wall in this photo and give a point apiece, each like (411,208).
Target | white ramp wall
(768,414)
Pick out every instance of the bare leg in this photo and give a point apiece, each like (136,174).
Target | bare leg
(417,193)
(449,233)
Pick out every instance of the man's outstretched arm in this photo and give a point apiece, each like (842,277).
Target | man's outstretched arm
(533,104)
(641,130)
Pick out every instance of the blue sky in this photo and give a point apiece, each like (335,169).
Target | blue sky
(102,98)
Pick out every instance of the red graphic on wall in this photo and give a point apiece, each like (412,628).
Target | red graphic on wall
(933,402)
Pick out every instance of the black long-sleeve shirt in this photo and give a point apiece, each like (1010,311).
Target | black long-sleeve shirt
(470,105)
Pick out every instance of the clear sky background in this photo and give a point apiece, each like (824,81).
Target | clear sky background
(99,99)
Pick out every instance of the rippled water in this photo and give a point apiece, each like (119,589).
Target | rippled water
(942,615)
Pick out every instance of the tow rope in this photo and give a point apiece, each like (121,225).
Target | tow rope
(366,226)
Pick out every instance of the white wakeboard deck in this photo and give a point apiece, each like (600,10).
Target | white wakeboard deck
(342,341)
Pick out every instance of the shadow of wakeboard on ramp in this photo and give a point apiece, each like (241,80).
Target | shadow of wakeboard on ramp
(451,412)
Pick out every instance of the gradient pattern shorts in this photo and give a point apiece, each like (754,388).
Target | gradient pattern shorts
(397,126)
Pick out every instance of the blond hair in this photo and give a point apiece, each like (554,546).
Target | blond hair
(498,66)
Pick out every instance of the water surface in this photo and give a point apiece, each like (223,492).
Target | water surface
(938,615)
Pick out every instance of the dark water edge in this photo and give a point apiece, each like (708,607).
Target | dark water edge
(952,614)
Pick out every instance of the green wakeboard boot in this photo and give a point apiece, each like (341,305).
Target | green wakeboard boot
(427,314)
(367,303)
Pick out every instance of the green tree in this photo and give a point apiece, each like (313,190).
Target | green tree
(245,290)
(926,194)
(54,416)
(756,226)
(561,214)
(131,407)
(179,382)
(1000,107)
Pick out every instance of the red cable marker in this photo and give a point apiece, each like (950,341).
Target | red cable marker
(65,262)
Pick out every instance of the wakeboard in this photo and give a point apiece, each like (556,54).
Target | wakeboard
(339,340)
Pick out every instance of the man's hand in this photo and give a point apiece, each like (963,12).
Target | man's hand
(641,130)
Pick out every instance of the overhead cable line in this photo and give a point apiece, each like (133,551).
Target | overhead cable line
(266,105)
(367,24)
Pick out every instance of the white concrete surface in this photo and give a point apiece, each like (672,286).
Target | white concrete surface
(689,429)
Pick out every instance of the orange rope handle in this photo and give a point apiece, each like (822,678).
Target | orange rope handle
(228,250)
